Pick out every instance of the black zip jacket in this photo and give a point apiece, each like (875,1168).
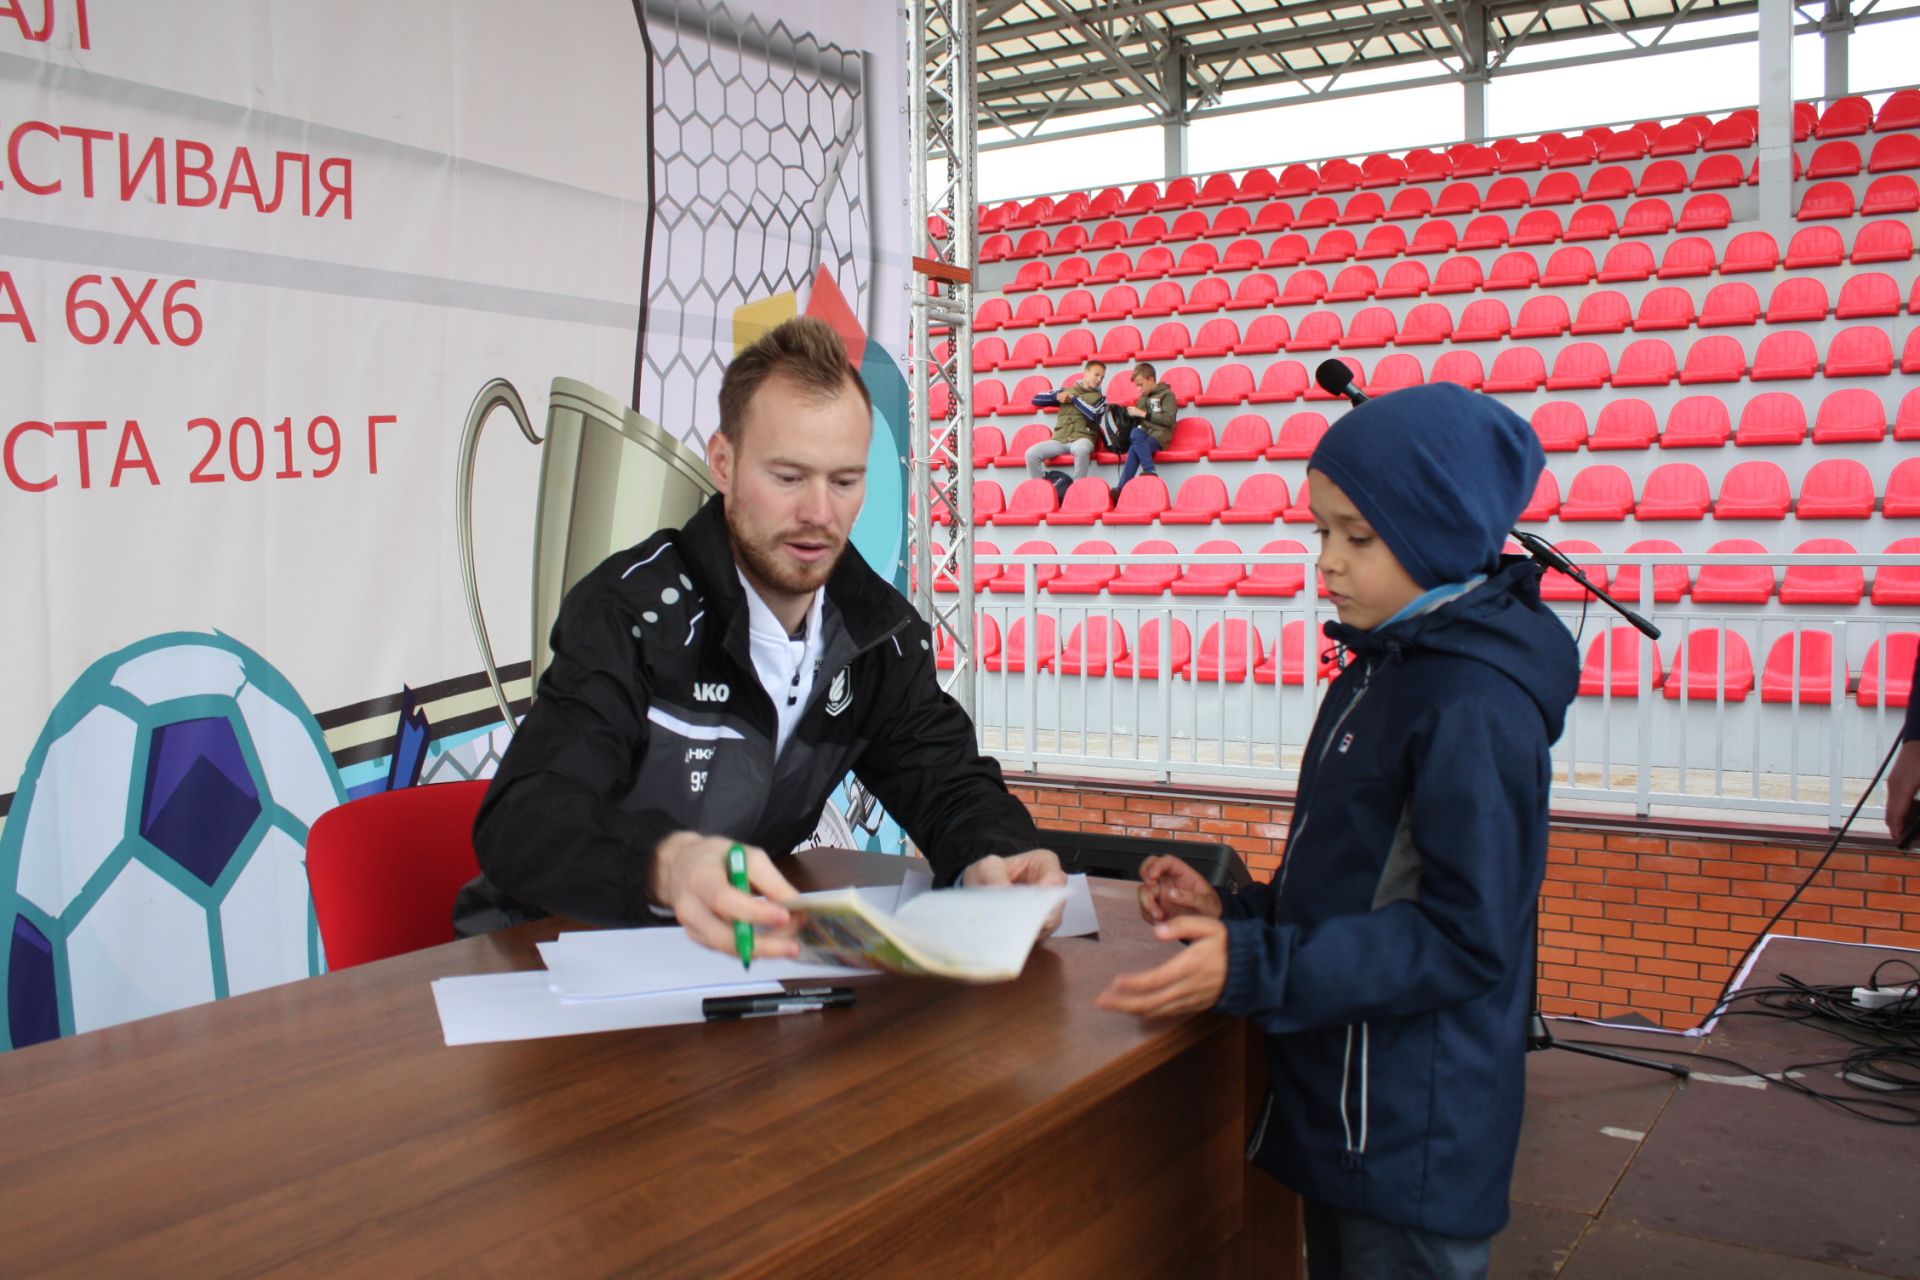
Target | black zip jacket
(651,719)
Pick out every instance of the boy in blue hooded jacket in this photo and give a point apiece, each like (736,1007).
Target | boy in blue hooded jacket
(1390,961)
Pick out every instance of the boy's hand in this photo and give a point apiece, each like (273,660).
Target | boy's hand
(1169,888)
(1188,983)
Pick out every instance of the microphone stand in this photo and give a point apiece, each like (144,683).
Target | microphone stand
(1335,377)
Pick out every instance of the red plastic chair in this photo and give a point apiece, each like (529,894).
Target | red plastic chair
(1898,584)
(1824,584)
(1227,652)
(1200,501)
(1262,499)
(1670,581)
(1599,493)
(385,870)
(1711,661)
(1288,662)
(1898,686)
(1086,578)
(1735,584)
(1799,668)
(1092,645)
(1211,579)
(1613,664)
(1145,579)
(1146,659)
(1753,491)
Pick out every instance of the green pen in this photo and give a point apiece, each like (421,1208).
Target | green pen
(742,931)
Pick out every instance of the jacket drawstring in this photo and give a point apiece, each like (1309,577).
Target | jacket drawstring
(1354,1156)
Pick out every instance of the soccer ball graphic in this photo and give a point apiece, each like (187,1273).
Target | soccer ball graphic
(154,856)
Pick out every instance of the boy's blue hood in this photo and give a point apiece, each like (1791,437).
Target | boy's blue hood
(1502,623)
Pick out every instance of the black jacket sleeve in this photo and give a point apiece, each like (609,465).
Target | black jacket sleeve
(551,833)
(923,765)
(1912,730)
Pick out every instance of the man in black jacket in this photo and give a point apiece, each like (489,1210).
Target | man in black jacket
(715,683)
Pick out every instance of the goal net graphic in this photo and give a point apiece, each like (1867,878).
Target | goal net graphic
(759,180)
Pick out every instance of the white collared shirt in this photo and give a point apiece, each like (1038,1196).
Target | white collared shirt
(786,666)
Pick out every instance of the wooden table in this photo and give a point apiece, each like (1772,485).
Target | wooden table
(323,1128)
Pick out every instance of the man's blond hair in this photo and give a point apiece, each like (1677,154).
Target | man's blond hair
(806,351)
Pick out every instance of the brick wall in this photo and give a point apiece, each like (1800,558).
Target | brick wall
(1635,920)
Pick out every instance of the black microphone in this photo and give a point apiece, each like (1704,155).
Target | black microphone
(1334,376)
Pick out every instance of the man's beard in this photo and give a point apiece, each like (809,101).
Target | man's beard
(765,563)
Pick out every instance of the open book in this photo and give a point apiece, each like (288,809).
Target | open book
(970,935)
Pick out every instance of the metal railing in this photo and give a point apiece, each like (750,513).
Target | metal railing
(1728,711)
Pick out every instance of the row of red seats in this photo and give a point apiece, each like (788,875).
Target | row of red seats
(1831,489)
(1687,257)
(1852,415)
(1652,215)
(1846,117)
(1712,663)
(1721,584)
(1735,303)
(1859,351)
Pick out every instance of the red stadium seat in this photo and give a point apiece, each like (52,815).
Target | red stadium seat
(1560,188)
(1799,669)
(1458,366)
(1218,189)
(1210,579)
(1697,422)
(1750,251)
(990,397)
(1592,222)
(1798,298)
(1190,225)
(1543,316)
(1715,358)
(1705,213)
(1258,184)
(1317,331)
(1195,260)
(1538,226)
(1030,352)
(1404,280)
(1555,585)
(1301,512)
(1717,172)
(1613,663)
(1247,437)
(993,313)
(1457,275)
(1207,296)
(1034,275)
(1824,584)
(1267,334)
(1192,438)
(1649,362)
(1353,284)
(1088,498)
(1826,200)
(1183,381)
(1108,235)
(1427,322)
(1242,255)
(1275,580)
(1545,501)
(1516,270)
(1733,303)
(1303,288)
(1836,489)
(988,353)
(1146,660)
(1906,424)
(1075,348)
(1711,664)
(1687,258)
(1371,327)
(1580,365)
(1459,197)
(1287,664)
(1256,292)
(1262,500)
(1281,381)
(1111,267)
(1774,418)
(1201,500)
(1298,436)
(1032,312)
(1316,213)
(1560,424)
(1434,236)
(1753,491)
(1670,581)
(1854,415)
(1216,338)
(1360,209)
(1597,493)
(1628,260)
(1611,182)
(1382,171)
(1145,579)
(1734,584)
(1868,294)
(1488,231)
(1675,491)
(1162,299)
(1169,341)
(1814,247)
(1603,311)
(1670,307)
(1862,351)
(1227,651)
(1648,218)
(1896,193)
(986,645)
(1624,424)
(1410,202)
(1901,110)
(1030,504)
(1394,372)
(1898,584)
(1834,160)
(1092,646)
(1013,655)
(1898,685)
(1013,577)
(1896,151)
(1334,246)
(1486,320)
(1019,403)
(1120,345)
(1085,578)
(1144,498)
(1845,117)
(1150,229)
(1787,354)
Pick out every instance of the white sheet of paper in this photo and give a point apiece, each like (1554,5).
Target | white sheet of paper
(1078,920)
(597,964)
(489,1007)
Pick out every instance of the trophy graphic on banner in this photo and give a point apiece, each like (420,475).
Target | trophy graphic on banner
(608,479)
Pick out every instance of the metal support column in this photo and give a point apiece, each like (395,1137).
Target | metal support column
(1473,75)
(1836,28)
(941,126)
(1173,126)
(1776,115)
